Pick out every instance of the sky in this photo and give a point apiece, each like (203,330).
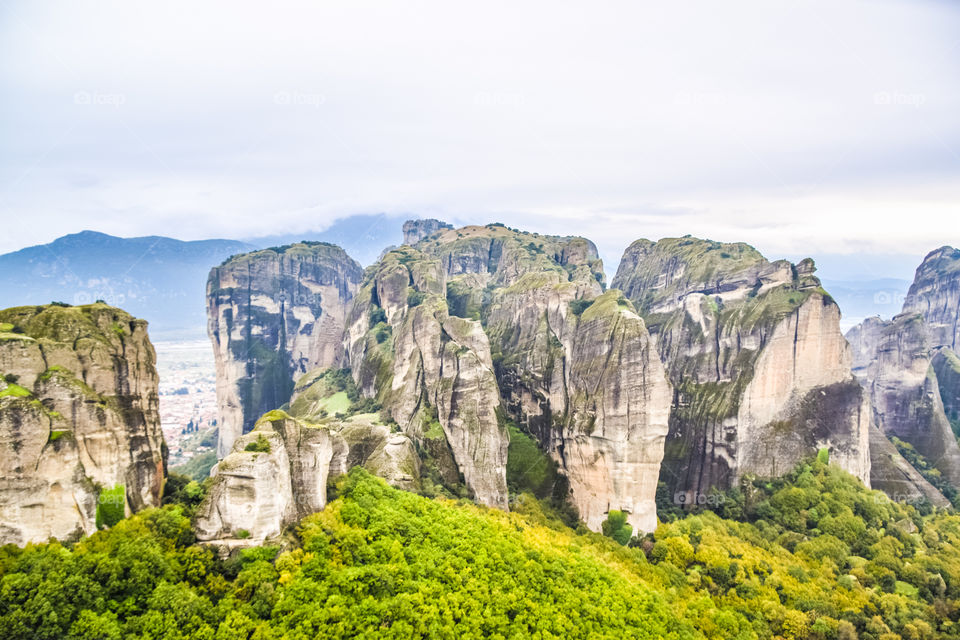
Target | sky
(799,127)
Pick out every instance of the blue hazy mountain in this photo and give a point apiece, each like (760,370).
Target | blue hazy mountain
(157,278)
(160,279)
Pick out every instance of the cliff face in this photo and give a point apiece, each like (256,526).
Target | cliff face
(935,294)
(279,472)
(896,366)
(78,416)
(272,316)
(911,369)
(574,368)
(431,371)
(761,371)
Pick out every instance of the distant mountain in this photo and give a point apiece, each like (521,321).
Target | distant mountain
(159,279)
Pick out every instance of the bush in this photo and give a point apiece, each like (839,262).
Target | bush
(260,445)
(111,505)
(616,527)
(414,298)
(577,307)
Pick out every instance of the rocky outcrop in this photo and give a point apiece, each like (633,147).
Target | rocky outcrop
(761,372)
(946,366)
(895,364)
(279,472)
(274,315)
(430,371)
(935,294)
(416,230)
(78,417)
(574,368)
(911,368)
(610,435)
(891,473)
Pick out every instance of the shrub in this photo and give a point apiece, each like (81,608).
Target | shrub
(616,527)
(260,445)
(110,506)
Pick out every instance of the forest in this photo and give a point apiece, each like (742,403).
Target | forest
(811,555)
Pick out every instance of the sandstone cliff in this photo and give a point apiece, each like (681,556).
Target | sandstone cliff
(895,365)
(761,371)
(935,294)
(279,472)
(431,371)
(272,316)
(78,417)
(911,369)
(574,368)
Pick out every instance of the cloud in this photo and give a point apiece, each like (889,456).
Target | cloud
(798,127)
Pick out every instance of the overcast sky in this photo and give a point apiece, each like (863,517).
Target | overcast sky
(800,127)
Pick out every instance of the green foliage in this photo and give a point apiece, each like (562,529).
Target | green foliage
(414,298)
(184,491)
(811,555)
(198,467)
(14,390)
(260,445)
(616,527)
(111,505)
(377,315)
(528,468)
(577,307)
(930,473)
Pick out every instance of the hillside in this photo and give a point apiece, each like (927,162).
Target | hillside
(813,556)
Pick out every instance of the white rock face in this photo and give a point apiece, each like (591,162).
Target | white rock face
(252,495)
(806,354)
(754,350)
(83,415)
(257,493)
(435,369)
(272,316)
(611,443)
(895,361)
(935,294)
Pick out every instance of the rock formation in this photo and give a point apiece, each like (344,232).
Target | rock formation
(279,472)
(427,366)
(910,367)
(761,372)
(574,368)
(274,315)
(78,417)
(416,230)
(935,294)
